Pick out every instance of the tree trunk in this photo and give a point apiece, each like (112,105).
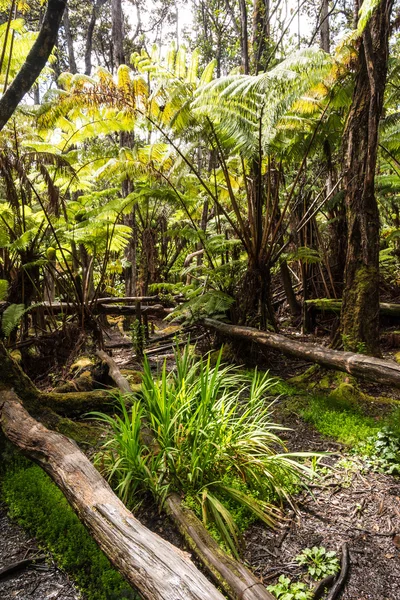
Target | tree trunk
(359,365)
(118,33)
(294,306)
(324,26)
(158,570)
(360,313)
(97,4)
(70,43)
(35,61)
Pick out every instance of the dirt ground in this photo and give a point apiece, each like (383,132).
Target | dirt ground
(41,581)
(362,510)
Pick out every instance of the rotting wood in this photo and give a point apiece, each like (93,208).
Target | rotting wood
(387,309)
(114,372)
(157,569)
(359,365)
(235,579)
(72,404)
(344,571)
(18,566)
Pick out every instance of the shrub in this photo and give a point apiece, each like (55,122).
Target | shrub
(211,436)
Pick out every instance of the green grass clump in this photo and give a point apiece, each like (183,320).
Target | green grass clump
(39,506)
(211,437)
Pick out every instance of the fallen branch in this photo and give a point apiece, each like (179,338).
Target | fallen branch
(121,382)
(359,365)
(19,566)
(386,309)
(341,580)
(157,569)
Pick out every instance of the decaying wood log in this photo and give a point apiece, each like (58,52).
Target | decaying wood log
(387,309)
(158,570)
(73,404)
(156,310)
(237,581)
(121,382)
(359,365)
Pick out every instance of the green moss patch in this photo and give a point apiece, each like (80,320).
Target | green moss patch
(40,507)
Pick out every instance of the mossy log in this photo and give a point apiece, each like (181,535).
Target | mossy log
(386,309)
(359,365)
(73,404)
(158,570)
(39,403)
(237,581)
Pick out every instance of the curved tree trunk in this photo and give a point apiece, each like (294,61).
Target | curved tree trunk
(35,61)
(360,313)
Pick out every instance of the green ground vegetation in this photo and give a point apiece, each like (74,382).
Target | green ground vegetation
(36,503)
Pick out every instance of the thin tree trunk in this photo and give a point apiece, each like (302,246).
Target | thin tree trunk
(70,44)
(97,4)
(35,61)
(244,37)
(117,33)
(360,313)
(324,26)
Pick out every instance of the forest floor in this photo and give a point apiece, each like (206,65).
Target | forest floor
(362,510)
(40,581)
(349,504)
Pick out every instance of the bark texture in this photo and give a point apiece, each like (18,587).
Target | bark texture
(360,313)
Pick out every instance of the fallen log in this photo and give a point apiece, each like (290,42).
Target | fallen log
(125,299)
(235,579)
(359,365)
(157,310)
(73,404)
(157,569)
(121,382)
(386,309)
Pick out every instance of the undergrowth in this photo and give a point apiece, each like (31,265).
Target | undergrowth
(211,439)
(37,504)
(376,439)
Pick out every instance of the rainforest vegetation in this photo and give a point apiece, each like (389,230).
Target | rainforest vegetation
(200,299)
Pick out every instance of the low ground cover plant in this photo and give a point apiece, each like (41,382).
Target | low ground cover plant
(286,590)
(319,562)
(207,432)
(39,506)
